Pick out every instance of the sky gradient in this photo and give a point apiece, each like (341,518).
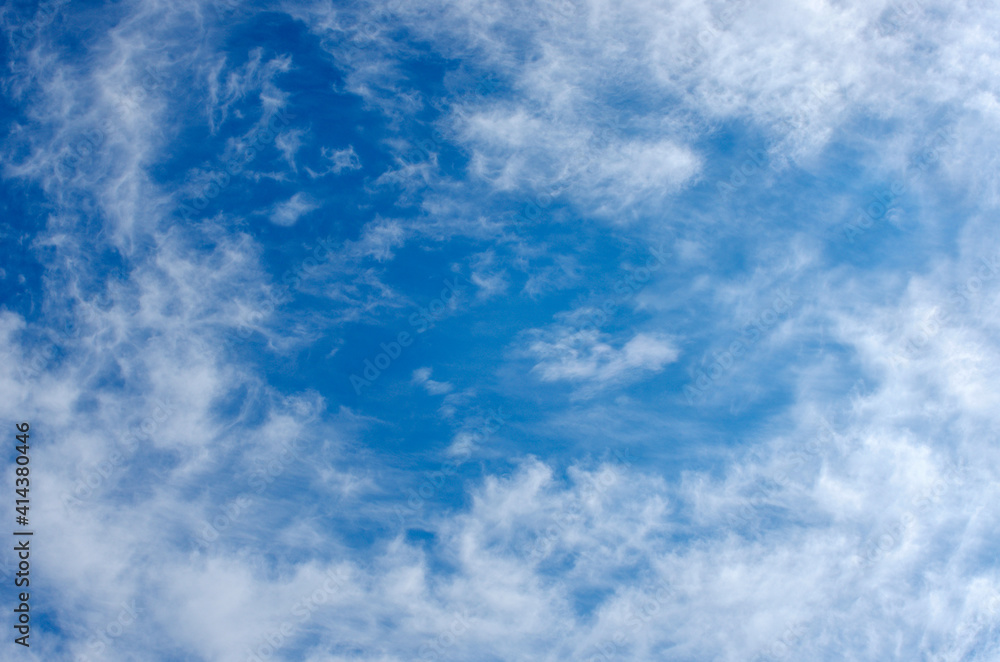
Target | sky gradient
(503,331)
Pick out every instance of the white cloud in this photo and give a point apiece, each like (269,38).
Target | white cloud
(289,212)
(422,377)
(488,276)
(289,142)
(756,555)
(340,160)
(582,356)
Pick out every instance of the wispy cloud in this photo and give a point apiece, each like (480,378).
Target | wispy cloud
(289,212)
(586,212)
(583,356)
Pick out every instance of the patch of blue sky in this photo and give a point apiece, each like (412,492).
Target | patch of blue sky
(388,203)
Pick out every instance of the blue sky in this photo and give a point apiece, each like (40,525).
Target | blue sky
(484,331)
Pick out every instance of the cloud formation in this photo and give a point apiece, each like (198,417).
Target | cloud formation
(709,292)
